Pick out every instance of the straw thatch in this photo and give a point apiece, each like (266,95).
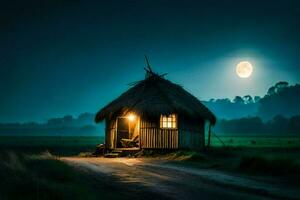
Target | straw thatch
(154,96)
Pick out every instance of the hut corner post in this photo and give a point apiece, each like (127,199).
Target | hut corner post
(209,134)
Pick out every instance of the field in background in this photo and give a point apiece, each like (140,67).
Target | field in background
(55,145)
(256,141)
(75,145)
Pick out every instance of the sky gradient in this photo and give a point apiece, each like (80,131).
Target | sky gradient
(60,58)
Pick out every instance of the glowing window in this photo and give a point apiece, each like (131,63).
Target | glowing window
(168,121)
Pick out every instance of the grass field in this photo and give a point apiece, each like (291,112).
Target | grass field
(55,145)
(75,145)
(256,141)
(49,141)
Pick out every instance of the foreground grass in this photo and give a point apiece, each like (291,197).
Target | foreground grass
(27,178)
(279,162)
(44,177)
(272,166)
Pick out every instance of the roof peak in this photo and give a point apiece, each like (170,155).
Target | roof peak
(148,67)
(149,72)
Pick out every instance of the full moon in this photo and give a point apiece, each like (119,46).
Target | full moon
(244,69)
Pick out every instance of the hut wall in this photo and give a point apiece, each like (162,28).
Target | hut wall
(191,134)
(110,130)
(135,128)
(153,137)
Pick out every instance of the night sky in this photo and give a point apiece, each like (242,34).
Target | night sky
(60,58)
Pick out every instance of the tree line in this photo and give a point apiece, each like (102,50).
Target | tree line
(66,125)
(280,99)
(279,125)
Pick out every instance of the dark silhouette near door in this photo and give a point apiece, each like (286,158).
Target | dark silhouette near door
(122,131)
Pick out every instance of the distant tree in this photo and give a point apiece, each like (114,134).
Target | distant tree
(280,86)
(30,124)
(68,120)
(86,118)
(212,100)
(55,122)
(248,99)
(271,91)
(238,100)
(278,124)
(226,100)
(285,102)
(240,126)
(257,99)
(294,125)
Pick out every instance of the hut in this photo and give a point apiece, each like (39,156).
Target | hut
(155,114)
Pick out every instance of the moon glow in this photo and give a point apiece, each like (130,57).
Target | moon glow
(244,69)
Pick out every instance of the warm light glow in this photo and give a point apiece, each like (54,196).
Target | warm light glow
(168,121)
(131,117)
(244,69)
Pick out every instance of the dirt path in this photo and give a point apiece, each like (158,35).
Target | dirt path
(169,181)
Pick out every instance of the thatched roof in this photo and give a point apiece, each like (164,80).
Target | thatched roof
(154,96)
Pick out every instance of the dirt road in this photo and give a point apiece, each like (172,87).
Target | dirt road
(150,179)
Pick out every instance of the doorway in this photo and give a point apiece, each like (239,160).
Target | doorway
(123,131)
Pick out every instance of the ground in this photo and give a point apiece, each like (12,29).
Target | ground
(53,168)
(171,181)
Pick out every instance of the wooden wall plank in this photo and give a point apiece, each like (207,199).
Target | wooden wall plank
(156,138)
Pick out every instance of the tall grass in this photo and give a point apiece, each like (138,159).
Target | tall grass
(43,177)
(23,177)
(272,166)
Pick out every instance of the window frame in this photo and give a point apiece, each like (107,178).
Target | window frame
(172,118)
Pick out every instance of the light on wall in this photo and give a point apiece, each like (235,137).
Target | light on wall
(131,117)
